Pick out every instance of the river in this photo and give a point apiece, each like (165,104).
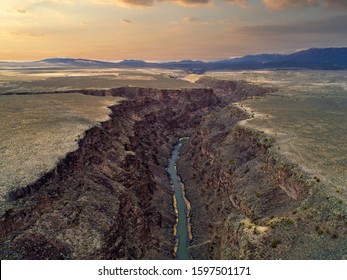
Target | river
(182,229)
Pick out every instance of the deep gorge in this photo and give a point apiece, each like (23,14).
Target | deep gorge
(112,199)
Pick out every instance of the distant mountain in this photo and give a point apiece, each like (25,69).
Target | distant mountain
(76,62)
(186,62)
(260,58)
(327,58)
(194,66)
(328,55)
(132,61)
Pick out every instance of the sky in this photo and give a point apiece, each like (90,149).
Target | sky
(167,30)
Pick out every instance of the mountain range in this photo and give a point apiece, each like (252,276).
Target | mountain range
(315,58)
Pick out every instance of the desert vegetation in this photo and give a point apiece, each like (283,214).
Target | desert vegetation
(17,80)
(38,130)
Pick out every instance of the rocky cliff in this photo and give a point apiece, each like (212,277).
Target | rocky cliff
(110,199)
(249,202)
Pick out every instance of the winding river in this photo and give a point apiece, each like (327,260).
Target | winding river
(182,207)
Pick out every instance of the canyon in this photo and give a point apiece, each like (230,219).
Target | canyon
(112,198)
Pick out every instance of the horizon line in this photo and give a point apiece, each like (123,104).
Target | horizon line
(168,61)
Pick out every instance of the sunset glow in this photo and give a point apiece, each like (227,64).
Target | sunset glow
(163,30)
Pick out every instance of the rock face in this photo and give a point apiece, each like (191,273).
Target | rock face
(233,91)
(110,199)
(248,202)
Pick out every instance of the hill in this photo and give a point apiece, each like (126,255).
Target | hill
(315,58)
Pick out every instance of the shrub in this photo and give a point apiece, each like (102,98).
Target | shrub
(275,243)
(318,230)
(231,161)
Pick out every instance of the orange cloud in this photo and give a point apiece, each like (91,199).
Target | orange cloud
(29,34)
(190,19)
(192,2)
(126,21)
(21,11)
(17,10)
(134,3)
(149,3)
(289,4)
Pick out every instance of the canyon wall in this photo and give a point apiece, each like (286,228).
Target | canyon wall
(110,199)
(248,201)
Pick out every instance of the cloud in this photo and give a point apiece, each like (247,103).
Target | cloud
(126,21)
(192,2)
(17,10)
(190,19)
(298,4)
(21,11)
(54,1)
(271,4)
(231,21)
(132,3)
(195,20)
(336,4)
(28,34)
(150,3)
(290,4)
(329,25)
(241,3)
(287,36)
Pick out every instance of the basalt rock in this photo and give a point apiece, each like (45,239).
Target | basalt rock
(249,202)
(111,198)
